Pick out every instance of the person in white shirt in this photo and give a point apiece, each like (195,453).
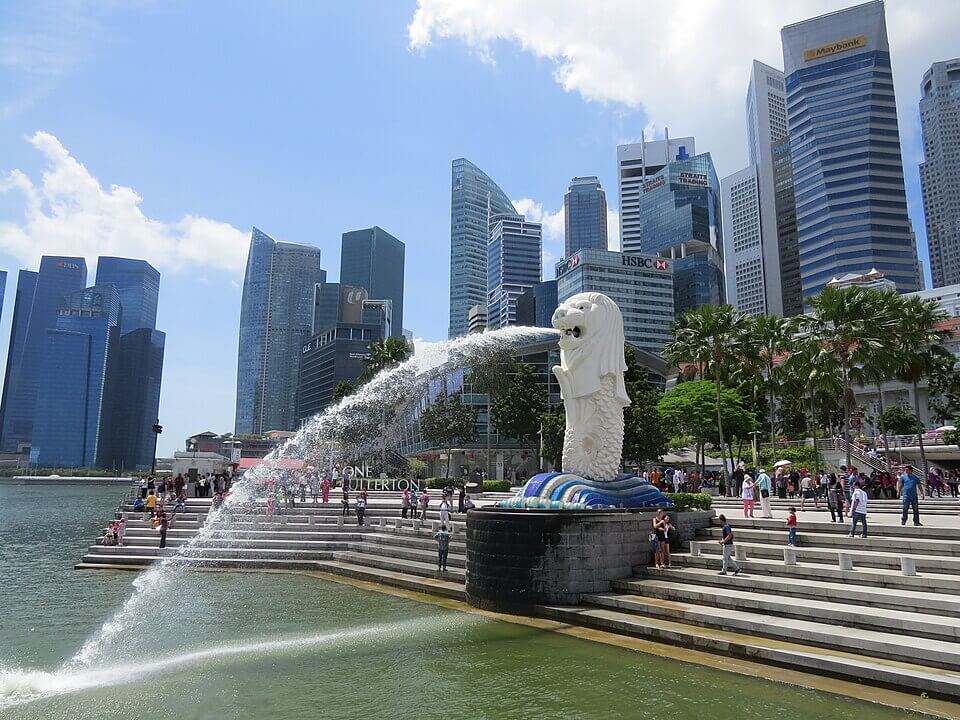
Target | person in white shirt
(858,509)
(764,486)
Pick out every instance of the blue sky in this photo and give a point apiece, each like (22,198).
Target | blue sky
(310,119)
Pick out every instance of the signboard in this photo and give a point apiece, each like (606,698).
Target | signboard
(351,303)
(646,262)
(68,266)
(835,47)
(697,179)
(655,183)
(565,266)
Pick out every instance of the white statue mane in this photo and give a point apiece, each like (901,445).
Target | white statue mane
(590,374)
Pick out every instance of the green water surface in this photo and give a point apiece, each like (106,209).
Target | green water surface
(229,645)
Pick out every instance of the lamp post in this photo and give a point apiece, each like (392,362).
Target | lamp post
(157,429)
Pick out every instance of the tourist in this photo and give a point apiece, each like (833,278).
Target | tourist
(909,487)
(793,483)
(315,488)
(807,491)
(178,484)
(954,482)
(151,485)
(763,482)
(468,503)
(746,494)
(658,537)
(345,500)
(110,534)
(738,476)
(271,504)
(935,483)
(665,546)
(181,504)
(461,496)
(139,505)
(824,484)
(151,504)
(164,524)
(361,506)
(726,541)
(444,510)
(835,500)
(424,504)
(303,487)
(404,503)
(121,529)
(792,527)
(443,548)
(858,509)
(143,487)
(325,489)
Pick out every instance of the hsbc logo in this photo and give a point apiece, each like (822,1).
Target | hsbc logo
(646,262)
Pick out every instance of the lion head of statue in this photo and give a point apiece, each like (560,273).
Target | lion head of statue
(591,342)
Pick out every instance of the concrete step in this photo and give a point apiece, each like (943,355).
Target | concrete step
(224,562)
(410,567)
(432,586)
(940,626)
(806,589)
(875,577)
(932,680)
(224,551)
(398,552)
(824,540)
(924,532)
(863,558)
(884,645)
(420,542)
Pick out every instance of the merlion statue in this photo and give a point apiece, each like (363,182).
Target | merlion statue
(590,374)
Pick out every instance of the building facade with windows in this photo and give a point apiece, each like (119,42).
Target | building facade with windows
(940,169)
(851,210)
(514,265)
(138,284)
(276,320)
(584,215)
(474,197)
(535,307)
(3,287)
(373,259)
(641,285)
(743,241)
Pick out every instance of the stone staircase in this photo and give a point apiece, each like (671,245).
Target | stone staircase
(946,505)
(873,622)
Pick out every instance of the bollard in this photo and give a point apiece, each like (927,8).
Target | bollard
(398,523)
(789,556)
(845,560)
(283,519)
(435,525)
(908,566)
(417,524)
(694,548)
(740,552)
(383,522)
(339,521)
(309,519)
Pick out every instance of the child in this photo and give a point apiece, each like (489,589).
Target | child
(121,529)
(792,527)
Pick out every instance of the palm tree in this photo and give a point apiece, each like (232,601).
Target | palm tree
(846,321)
(813,372)
(711,338)
(922,349)
(384,354)
(773,337)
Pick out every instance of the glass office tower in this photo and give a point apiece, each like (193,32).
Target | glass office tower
(851,209)
(679,218)
(35,312)
(514,265)
(584,215)
(138,283)
(276,319)
(474,197)
(374,259)
(3,287)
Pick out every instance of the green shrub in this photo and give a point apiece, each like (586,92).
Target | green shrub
(799,456)
(488,485)
(496,486)
(690,501)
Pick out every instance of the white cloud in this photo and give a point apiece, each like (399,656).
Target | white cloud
(70,213)
(686,65)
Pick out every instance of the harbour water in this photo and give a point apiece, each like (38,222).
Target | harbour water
(249,645)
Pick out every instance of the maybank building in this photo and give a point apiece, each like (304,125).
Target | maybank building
(845,149)
(642,285)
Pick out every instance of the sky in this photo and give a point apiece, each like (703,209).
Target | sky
(165,130)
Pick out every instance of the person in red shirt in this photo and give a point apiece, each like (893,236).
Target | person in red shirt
(792,527)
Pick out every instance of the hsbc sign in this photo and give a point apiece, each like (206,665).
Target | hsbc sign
(646,262)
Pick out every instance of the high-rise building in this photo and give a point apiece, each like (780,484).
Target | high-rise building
(477,319)
(373,259)
(584,215)
(743,246)
(276,320)
(785,208)
(474,197)
(3,287)
(636,163)
(38,300)
(72,422)
(642,285)
(139,286)
(679,218)
(940,169)
(845,148)
(535,307)
(514,264)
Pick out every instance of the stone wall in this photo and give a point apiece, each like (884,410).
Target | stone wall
(519,558)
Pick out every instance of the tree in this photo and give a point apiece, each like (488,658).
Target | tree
(516,411)
(711,338)
(342,389)
(553,425)
(645,436)
(384,354)
(447,422)
(943,389)
(490,377)
(900,421)
(773,338)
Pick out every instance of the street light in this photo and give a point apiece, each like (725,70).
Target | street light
(157,429)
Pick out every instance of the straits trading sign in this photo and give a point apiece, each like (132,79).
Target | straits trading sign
(835,47)
(655,183)
(696,179)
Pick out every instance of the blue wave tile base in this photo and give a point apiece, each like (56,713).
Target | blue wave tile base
(567,491)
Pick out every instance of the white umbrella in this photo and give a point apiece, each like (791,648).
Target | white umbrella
(782,463)
(945,428)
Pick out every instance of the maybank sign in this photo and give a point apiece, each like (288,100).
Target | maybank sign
(835,47)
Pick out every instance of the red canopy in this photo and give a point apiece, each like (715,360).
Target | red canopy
(280,464)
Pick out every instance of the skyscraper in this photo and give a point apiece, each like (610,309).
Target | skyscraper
(3,287)
(474,197)
(36,310)
(72,423)
(139,286)
(940,169)
(679,218)
(514,264)
(636,163)
(743,247)
(535,306)
(373,259)
(851,209)
(584,215)
(276,315)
